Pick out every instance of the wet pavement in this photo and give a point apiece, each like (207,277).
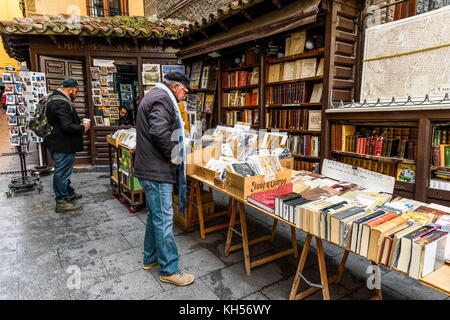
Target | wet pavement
(96,253)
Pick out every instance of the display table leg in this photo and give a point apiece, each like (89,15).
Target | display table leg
(230,228)
(200,209)
(378,294)
(325,281)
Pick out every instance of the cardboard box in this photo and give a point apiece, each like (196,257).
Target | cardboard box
(186,221)
(287,163)
(243,187)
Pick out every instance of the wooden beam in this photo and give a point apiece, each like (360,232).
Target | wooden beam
(53,38)
(223,25)
(277,3)
(204,34)
(247,15)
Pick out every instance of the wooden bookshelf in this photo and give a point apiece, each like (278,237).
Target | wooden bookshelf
(294,105)
(198,90)
(308,54)
(300,156)
(312,79)
(251,86)
(297,131)
(241,68)
(433,168)
(240,107)
(372,157)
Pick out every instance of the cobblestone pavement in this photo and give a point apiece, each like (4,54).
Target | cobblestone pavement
(41,250)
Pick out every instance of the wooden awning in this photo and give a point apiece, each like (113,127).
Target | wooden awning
(290,16)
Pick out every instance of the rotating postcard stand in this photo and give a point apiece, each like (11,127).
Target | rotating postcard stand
(19,111)
(25,182)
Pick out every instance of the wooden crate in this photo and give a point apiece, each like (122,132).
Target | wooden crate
(287,163)
(206,173)
(219,183)
(112,141)
(201,156)
(187,222)
(243,187)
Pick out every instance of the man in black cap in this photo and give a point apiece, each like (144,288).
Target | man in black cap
(157,123)
(65,140)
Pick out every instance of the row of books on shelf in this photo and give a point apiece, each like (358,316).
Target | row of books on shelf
(295,70)
(249,116)
(401,171)
(441,136)
(305,145)
(306,166)
(400,233)
(202,76)
(297,119)
(240,98)
(294,93)
(441,155)
(240,78)
(345,138)
(440,184)
(200,102)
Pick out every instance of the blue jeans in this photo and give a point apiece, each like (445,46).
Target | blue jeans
(159,242)
(61,177)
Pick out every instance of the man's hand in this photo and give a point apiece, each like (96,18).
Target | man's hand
(86,126)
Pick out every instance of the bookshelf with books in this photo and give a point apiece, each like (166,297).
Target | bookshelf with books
(439,185)
(239,87)
(389,148)
(293,92)
(202,100)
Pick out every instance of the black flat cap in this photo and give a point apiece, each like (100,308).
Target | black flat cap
(70,83)
(178,77)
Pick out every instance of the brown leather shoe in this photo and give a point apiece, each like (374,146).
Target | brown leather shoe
(178,279)
(151,265)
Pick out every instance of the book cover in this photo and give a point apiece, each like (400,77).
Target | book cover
(308,68)
(209,103)
(244,169)
(388,242)
(377,234)
(287,46)
(424,253)
(336,219)
(316,95)
(320,68)
(196,71)
(406,246)
(205,77)
(279,201)
(297,44)
(274,72)
(367,228)
(266,199)
(314,120)
(442,154)
(447,156)
(288,71)
(254,79)
(406,172)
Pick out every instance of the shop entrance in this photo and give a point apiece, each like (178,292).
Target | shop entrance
(127,88)
(56,69)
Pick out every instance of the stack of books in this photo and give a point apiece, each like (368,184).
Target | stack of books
(404,234)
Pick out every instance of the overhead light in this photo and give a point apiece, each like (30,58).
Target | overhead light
(214,54)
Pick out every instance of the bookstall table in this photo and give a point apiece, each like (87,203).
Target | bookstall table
(234,200)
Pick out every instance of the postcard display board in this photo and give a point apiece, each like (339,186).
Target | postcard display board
(23,92)
(105,97)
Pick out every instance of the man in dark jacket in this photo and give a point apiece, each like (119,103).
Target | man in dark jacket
(65,140)
(157,172)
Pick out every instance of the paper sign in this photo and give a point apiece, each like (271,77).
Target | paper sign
(367,179)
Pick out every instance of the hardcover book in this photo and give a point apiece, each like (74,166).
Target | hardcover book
(297,44)
(266,199)
(427,254)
